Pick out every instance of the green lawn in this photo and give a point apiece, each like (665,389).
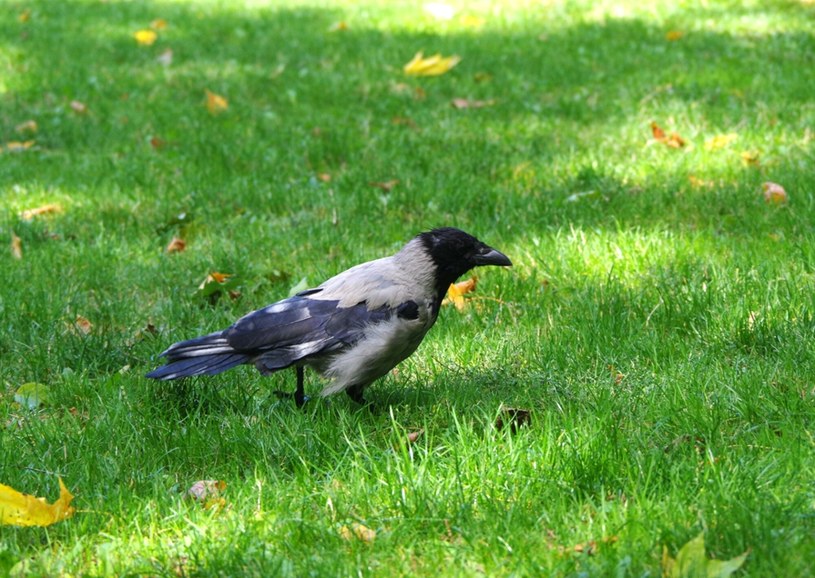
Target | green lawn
(659,321)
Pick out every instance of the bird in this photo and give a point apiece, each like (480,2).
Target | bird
(352,329)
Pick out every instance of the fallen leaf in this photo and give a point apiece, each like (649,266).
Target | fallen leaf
(145,37)
(774,193)
(467,103)
(205,489)
(696,182)
(430,66)
(691,562)
(215,284)
(18,146)
(158,24)
(49,209)
(78,107)
(673,35)
(324,177)
(177,245)
(27,126)
(16,246)
(338,26)
(457,291)
(673,140)
(157,142)
(359,532)
(413,436)
(720,141)
(24,16)
(514,417)
(17,509)
(386,186)
(216,103)
(83,325)
(750,158)
(32,395)
(166,57)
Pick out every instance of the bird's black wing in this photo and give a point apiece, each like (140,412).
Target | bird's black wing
(300,327)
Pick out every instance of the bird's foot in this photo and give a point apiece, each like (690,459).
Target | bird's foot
(299,400)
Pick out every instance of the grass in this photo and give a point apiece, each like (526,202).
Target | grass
(659,327)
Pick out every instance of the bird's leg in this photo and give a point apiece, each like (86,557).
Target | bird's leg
(355,393)
(299,393)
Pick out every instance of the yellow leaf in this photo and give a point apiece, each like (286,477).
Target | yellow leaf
(49,209)
(750,158)
(216,103)
(774,193)
(27,126)
(430,66)
(24,16)
(158,24)
(358,531)
(720,141)
(457,291)
(17,146)
(16,246)
(18,509)
(674,35)
(145,37)
(338,26)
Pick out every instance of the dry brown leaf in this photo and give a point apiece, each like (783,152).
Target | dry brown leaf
(177,245)
(457,291)
(49,209)
(83,325)
(673,140)
(359,532)
(467,103)
(216,103)
(27,126)
(324,177)
(413,436)
(774,193)
(16,246)
(18,509)
(157,142)
(386,186)
(78,107)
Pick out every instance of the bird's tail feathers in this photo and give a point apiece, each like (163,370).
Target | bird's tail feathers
(206,355)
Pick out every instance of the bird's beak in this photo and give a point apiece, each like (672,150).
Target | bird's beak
(490,256)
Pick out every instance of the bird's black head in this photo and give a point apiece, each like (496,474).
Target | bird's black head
(455,252)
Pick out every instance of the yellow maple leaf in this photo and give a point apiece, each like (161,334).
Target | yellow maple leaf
(17,509)
(720,141)
(216,103)
(457,291)
(145,37)
(430,66)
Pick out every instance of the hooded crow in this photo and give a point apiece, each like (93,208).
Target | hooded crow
(352,329)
